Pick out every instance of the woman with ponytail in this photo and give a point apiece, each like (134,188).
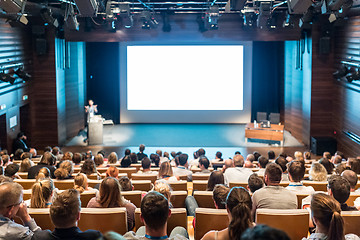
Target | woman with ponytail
(64,171)
(42,193)
(325,214)
(238,206)
(81,183)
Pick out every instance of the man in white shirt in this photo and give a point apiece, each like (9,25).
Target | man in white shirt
(263,161)
(182,170)
(296,171)
(237,173)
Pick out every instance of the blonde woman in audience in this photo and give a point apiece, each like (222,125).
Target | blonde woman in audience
(113,158)
(25,165)
(112,171)
(238,205)
(81,183)
(42,193)
(67,156)
(298,155)
(65,171)
(317,172)
(43,173)
(99,161)
(326,215)
(163,188)
(110,197)
(166,172)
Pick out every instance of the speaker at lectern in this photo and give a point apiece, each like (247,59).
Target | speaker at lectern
(95,130)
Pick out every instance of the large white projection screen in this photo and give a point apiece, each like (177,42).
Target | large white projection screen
(206,77)
(185,83)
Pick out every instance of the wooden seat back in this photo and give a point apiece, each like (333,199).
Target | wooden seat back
(300,197)
(351,221)
(64,184)
(204,199)
(85,197)
(295,222)
(103,219)
(178,185)
(207,219)
(141,176)
(142,185)
(318,186)
(42,217)
(133,196)
(25,183)
(128,171)
(238,184)
(201,176)
(200,185)
(352,198)
(178,199)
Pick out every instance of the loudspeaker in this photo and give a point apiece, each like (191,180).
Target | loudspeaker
(324,45)
(319,145)
(41,46)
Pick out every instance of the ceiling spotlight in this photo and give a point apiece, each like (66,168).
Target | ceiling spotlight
(125,14)
(166,25)
(353,76)
(148,20)
(20,72)
(4,77)
(341,72)
(264,14)
(298,6)
(71,20)
(249,17)
(306,20)
(212,16)
(201,21)
(46,15)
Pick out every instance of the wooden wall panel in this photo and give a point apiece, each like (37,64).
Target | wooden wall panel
(346,96)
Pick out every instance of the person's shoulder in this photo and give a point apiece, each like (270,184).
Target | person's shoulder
(209,235)
(43,234)
(351,237)
(93,203)
(90,234)
(131,235)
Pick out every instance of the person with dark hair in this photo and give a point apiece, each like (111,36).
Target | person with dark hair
(329,166)
(141,154)
(182,170)
(127,152)
(64,171)
(125,162)
(264,232)
(218,156)
(327,155)
(339,188)
(256,155)
(64,214)
(194,163)
(89,155)
(5,159)
(99,161)
(273,195)
(18,153)
(125,184)
(255,183)
(355,165)
(110,197)
(134,157)
(237,152)
(307,156)
(204,164)
(154,214)
(146,167)
(11,171)
(352,177)
(271,155)
(155,159)
(326,215)
(220,193)
(282,163)
(11,205)
(48,160)
(113,158)
(250,157)
(238,205)
(236,173)
(216,177)
(296,175)
(20,142)
(47,149)
(26,155)
(262,162)
(77,158)
(89,168)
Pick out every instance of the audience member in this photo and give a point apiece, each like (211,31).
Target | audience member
(11,171)
(125,162)
(355,165)
(43,173)
(204,164)
(11,205)
(166,172)
(352,177)
(339,188)
(340,168)
(126,153)
(25,165)
(307,156)
(262,162)
(298,155)
(68,156)
(34,153)
(26,155)
(65,213)
(271,155)
(47,149)
(146,166)
(18,153)
(41,194)
(256,155)
(296,171)
(20,142)
(325,213)
(89,168)
(113,158)
(264,232)
(216,177)
(282,162)
(155,159)
(218,157)
(273,195)
(165,189)
(327,155)
(125,184)
(317,172)
(77,158)
(5,160)
(110,197)
(237,173)
(238,205)
(248,164)
(155,212)
(141,154)
(255,183)
(250,157)
(99,161)
(182,170)
(81,183)
(64,171)
(220,194)
(48,160)
(134,158)
(329,166)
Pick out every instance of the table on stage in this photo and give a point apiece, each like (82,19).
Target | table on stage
(274,133)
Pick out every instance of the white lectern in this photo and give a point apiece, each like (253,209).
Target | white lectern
(95,130)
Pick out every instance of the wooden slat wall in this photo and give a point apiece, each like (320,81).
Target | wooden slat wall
(13,49)
(346,96)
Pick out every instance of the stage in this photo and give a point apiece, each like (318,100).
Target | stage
(181,135)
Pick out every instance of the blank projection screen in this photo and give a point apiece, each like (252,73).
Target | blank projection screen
(185,83)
